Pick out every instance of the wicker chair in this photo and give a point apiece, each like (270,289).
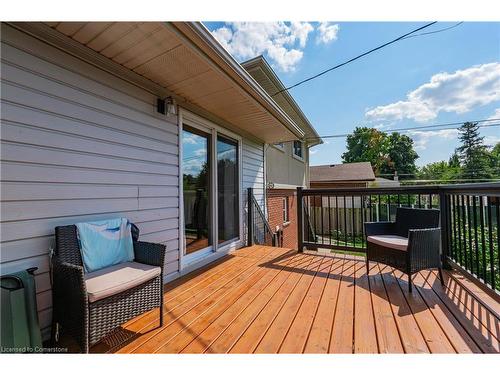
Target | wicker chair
(88,322)
(410,244)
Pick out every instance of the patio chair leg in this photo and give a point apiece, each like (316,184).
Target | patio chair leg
(440,270)
(367,266)
(409,283)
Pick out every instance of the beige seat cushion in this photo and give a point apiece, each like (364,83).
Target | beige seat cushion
(118,278)
(390,241)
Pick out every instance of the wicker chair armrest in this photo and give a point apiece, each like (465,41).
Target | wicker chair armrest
(69,274)
(380,228)
(149,253)
(424,248)
(70,294)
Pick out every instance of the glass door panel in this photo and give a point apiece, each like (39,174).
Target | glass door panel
(196,176)
(227,190)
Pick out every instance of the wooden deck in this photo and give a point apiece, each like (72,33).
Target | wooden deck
(273,300)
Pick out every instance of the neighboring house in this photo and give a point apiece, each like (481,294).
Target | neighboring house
(342,175)
(287,163)
(151,121)
(384,182)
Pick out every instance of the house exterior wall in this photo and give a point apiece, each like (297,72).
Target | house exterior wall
(282,168)
(80,144)
(275,215)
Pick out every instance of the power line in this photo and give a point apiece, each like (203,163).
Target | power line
(424,128)
(404,36)
(435,31)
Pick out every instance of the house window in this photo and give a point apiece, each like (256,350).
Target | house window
(286,214)
(297,149)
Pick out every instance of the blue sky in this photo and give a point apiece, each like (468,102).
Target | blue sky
(446,77)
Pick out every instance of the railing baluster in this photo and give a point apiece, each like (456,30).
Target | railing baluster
(449,225)
(483,239)
(329,222)
(378,210)
(464,234)
(353,228)
(362,222)
(322,226)
(490,236)
(337,225)
(476,250)
(345,222)
(459,232)
(469,235)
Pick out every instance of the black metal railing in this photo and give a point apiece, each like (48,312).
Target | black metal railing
(259,231)
(333,219)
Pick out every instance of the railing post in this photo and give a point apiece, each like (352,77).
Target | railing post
(444,228)
(249,217)
(300,215)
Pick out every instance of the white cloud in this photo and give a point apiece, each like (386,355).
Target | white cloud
(190,139)
(457,92)
(495,115)
(282,42)
(491,140)
(421,138)
(327,31)
(312,152)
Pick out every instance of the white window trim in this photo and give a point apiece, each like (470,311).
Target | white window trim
(285,210)
(193,120)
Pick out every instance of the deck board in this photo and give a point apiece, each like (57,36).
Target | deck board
(272,300)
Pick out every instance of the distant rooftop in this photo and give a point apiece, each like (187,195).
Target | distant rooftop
(342,172)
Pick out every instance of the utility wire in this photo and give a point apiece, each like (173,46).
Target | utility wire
(404,36)
(419,128)
(435,31)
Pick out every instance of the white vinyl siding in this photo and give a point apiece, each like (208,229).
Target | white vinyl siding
(253,174)
(78,144)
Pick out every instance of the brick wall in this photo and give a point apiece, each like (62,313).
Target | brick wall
(275,214)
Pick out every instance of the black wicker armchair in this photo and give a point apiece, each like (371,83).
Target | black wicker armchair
(88,317)
(410,244)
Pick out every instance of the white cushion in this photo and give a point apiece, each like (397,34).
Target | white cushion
(390,241)
(118,278)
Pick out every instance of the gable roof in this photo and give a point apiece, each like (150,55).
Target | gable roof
(266,77)
(342,172)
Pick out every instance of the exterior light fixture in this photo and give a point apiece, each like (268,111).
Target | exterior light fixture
(166,106)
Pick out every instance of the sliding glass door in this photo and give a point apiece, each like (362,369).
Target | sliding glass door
(211,190)
(228,226)
(196,177)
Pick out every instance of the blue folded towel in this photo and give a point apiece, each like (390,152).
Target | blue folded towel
(105,243)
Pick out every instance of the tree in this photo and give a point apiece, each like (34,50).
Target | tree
(386,153)
(473,153)
(495,161)
(401,155)
(440,171)
(366,144)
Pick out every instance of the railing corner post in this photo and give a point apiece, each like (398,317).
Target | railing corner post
(249,217)
(300,215)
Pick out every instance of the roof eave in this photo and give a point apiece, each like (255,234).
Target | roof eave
(200,36)
(261,62)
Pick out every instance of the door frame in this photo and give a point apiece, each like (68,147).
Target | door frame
(195,121)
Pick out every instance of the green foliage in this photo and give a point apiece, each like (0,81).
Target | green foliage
(471,160)
(387,153)
(440,170)
(473,154)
